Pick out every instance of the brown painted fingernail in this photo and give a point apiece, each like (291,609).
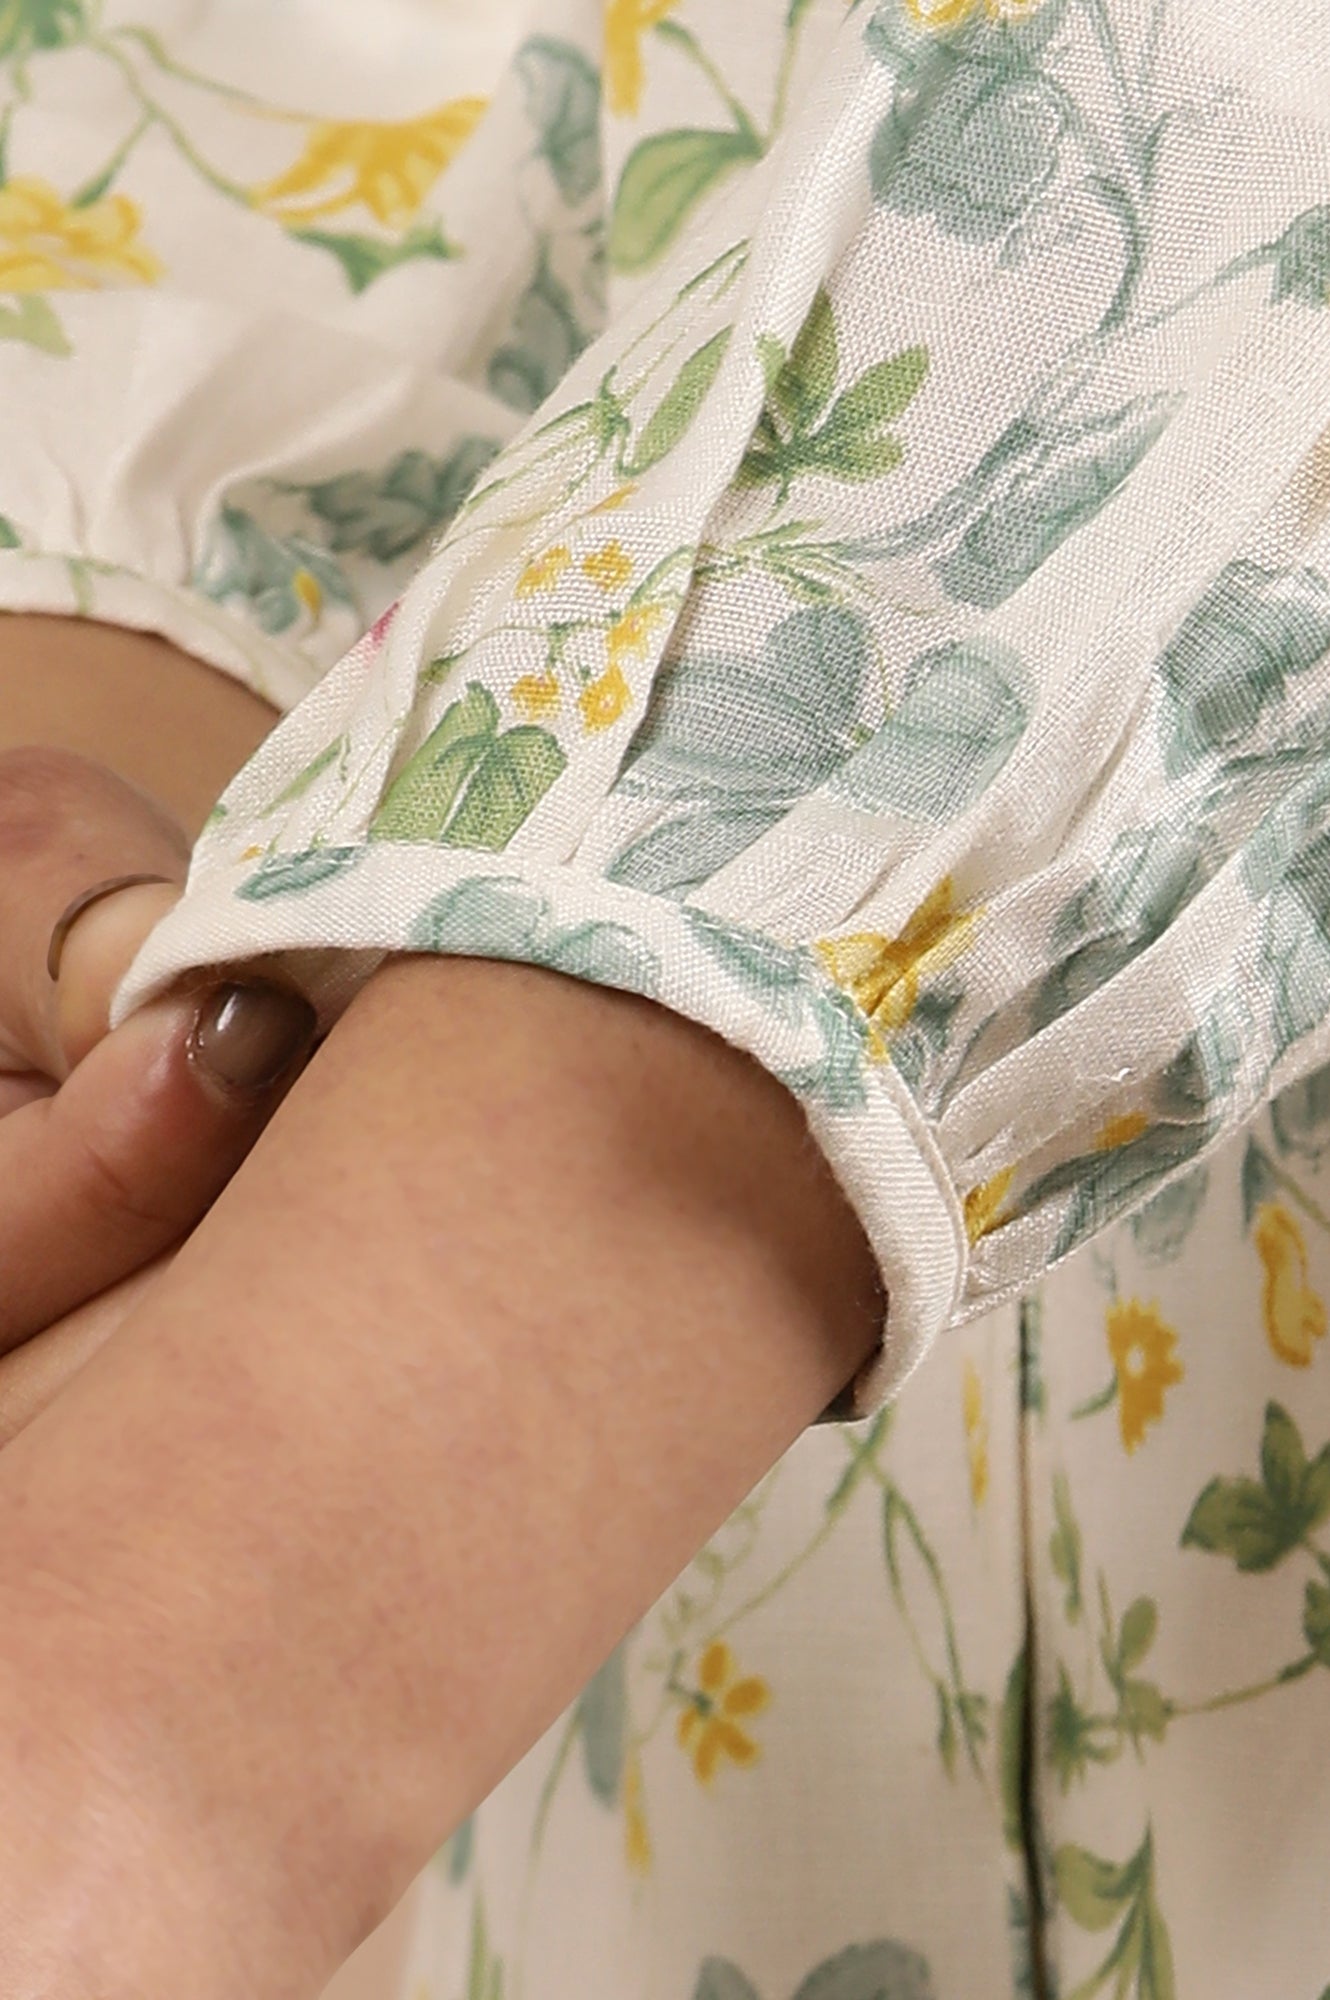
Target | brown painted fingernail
(248,1036)
(71,913)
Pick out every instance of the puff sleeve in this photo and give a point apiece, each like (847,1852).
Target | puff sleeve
(902,641)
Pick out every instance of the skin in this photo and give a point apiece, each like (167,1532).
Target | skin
(68,684)
(107,1171)
(524,1287)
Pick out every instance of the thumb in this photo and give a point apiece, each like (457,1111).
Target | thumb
(150,1122)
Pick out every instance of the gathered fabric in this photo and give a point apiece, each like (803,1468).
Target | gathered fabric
(898,640)
(817,514)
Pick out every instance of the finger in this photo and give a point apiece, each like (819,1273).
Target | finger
(92,947)
(22,1089)
(35,1373)
(67,825)
(137,1144)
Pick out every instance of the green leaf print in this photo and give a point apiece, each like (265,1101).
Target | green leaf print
(454,1858)
(484,1979)
(802,387)
(29,25)
(1093,1892)
(1293,1484)
(543,342)
(720,1979)
(1040,482)
(1231,659)
(508,783)
(960,716)
(386,514)
(680,405)
(882,1971)
(1074,1739)
(1186,1099)
(1258,1181)
(1013,1734)
(676,854)
(486,918)
(881,394)
(1105,1183)
(563,103)
(663,180)
(9,538)
(1300,1117)
(292,874)
(365,258)
(1257,1524)
(1149,876)
(1316,1621)
(1096,1894)
(792,988)
(303,779)
(1160,1229)
(1301,260)
(975,154)
(608,953)
(417,803)
(836,1077)
(489,918)
(32,319)
(1295,944)
(1143,1709)
(602,1718)
(468,785)
(802,430)
(280,580)
(1064,1547)
(731,743)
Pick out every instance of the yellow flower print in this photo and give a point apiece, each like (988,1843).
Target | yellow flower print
(1120,1131)
(709,1726)
(883,974)
(536,695)
(626,22)
(1294,1313)
(976,1432)
(604,700)
(619,498)
(609,568)
(636,1838)
(984,1204)
(45,245)
(629,637)
(388,168)
(939,17)
(306,587)
(1143,1347)
(544,571)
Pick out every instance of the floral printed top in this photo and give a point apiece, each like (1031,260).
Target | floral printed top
(816,512)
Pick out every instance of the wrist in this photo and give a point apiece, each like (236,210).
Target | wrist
(158,717)
(126,1872)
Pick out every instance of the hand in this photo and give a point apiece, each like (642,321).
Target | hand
(34,1373)
(111,1146)
(499,1209)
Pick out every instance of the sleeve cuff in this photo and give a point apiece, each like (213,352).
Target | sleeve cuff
(334,913)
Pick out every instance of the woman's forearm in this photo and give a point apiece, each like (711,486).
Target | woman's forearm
(524,1288)
(156,716)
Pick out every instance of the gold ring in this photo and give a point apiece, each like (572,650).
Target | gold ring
(68,917)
